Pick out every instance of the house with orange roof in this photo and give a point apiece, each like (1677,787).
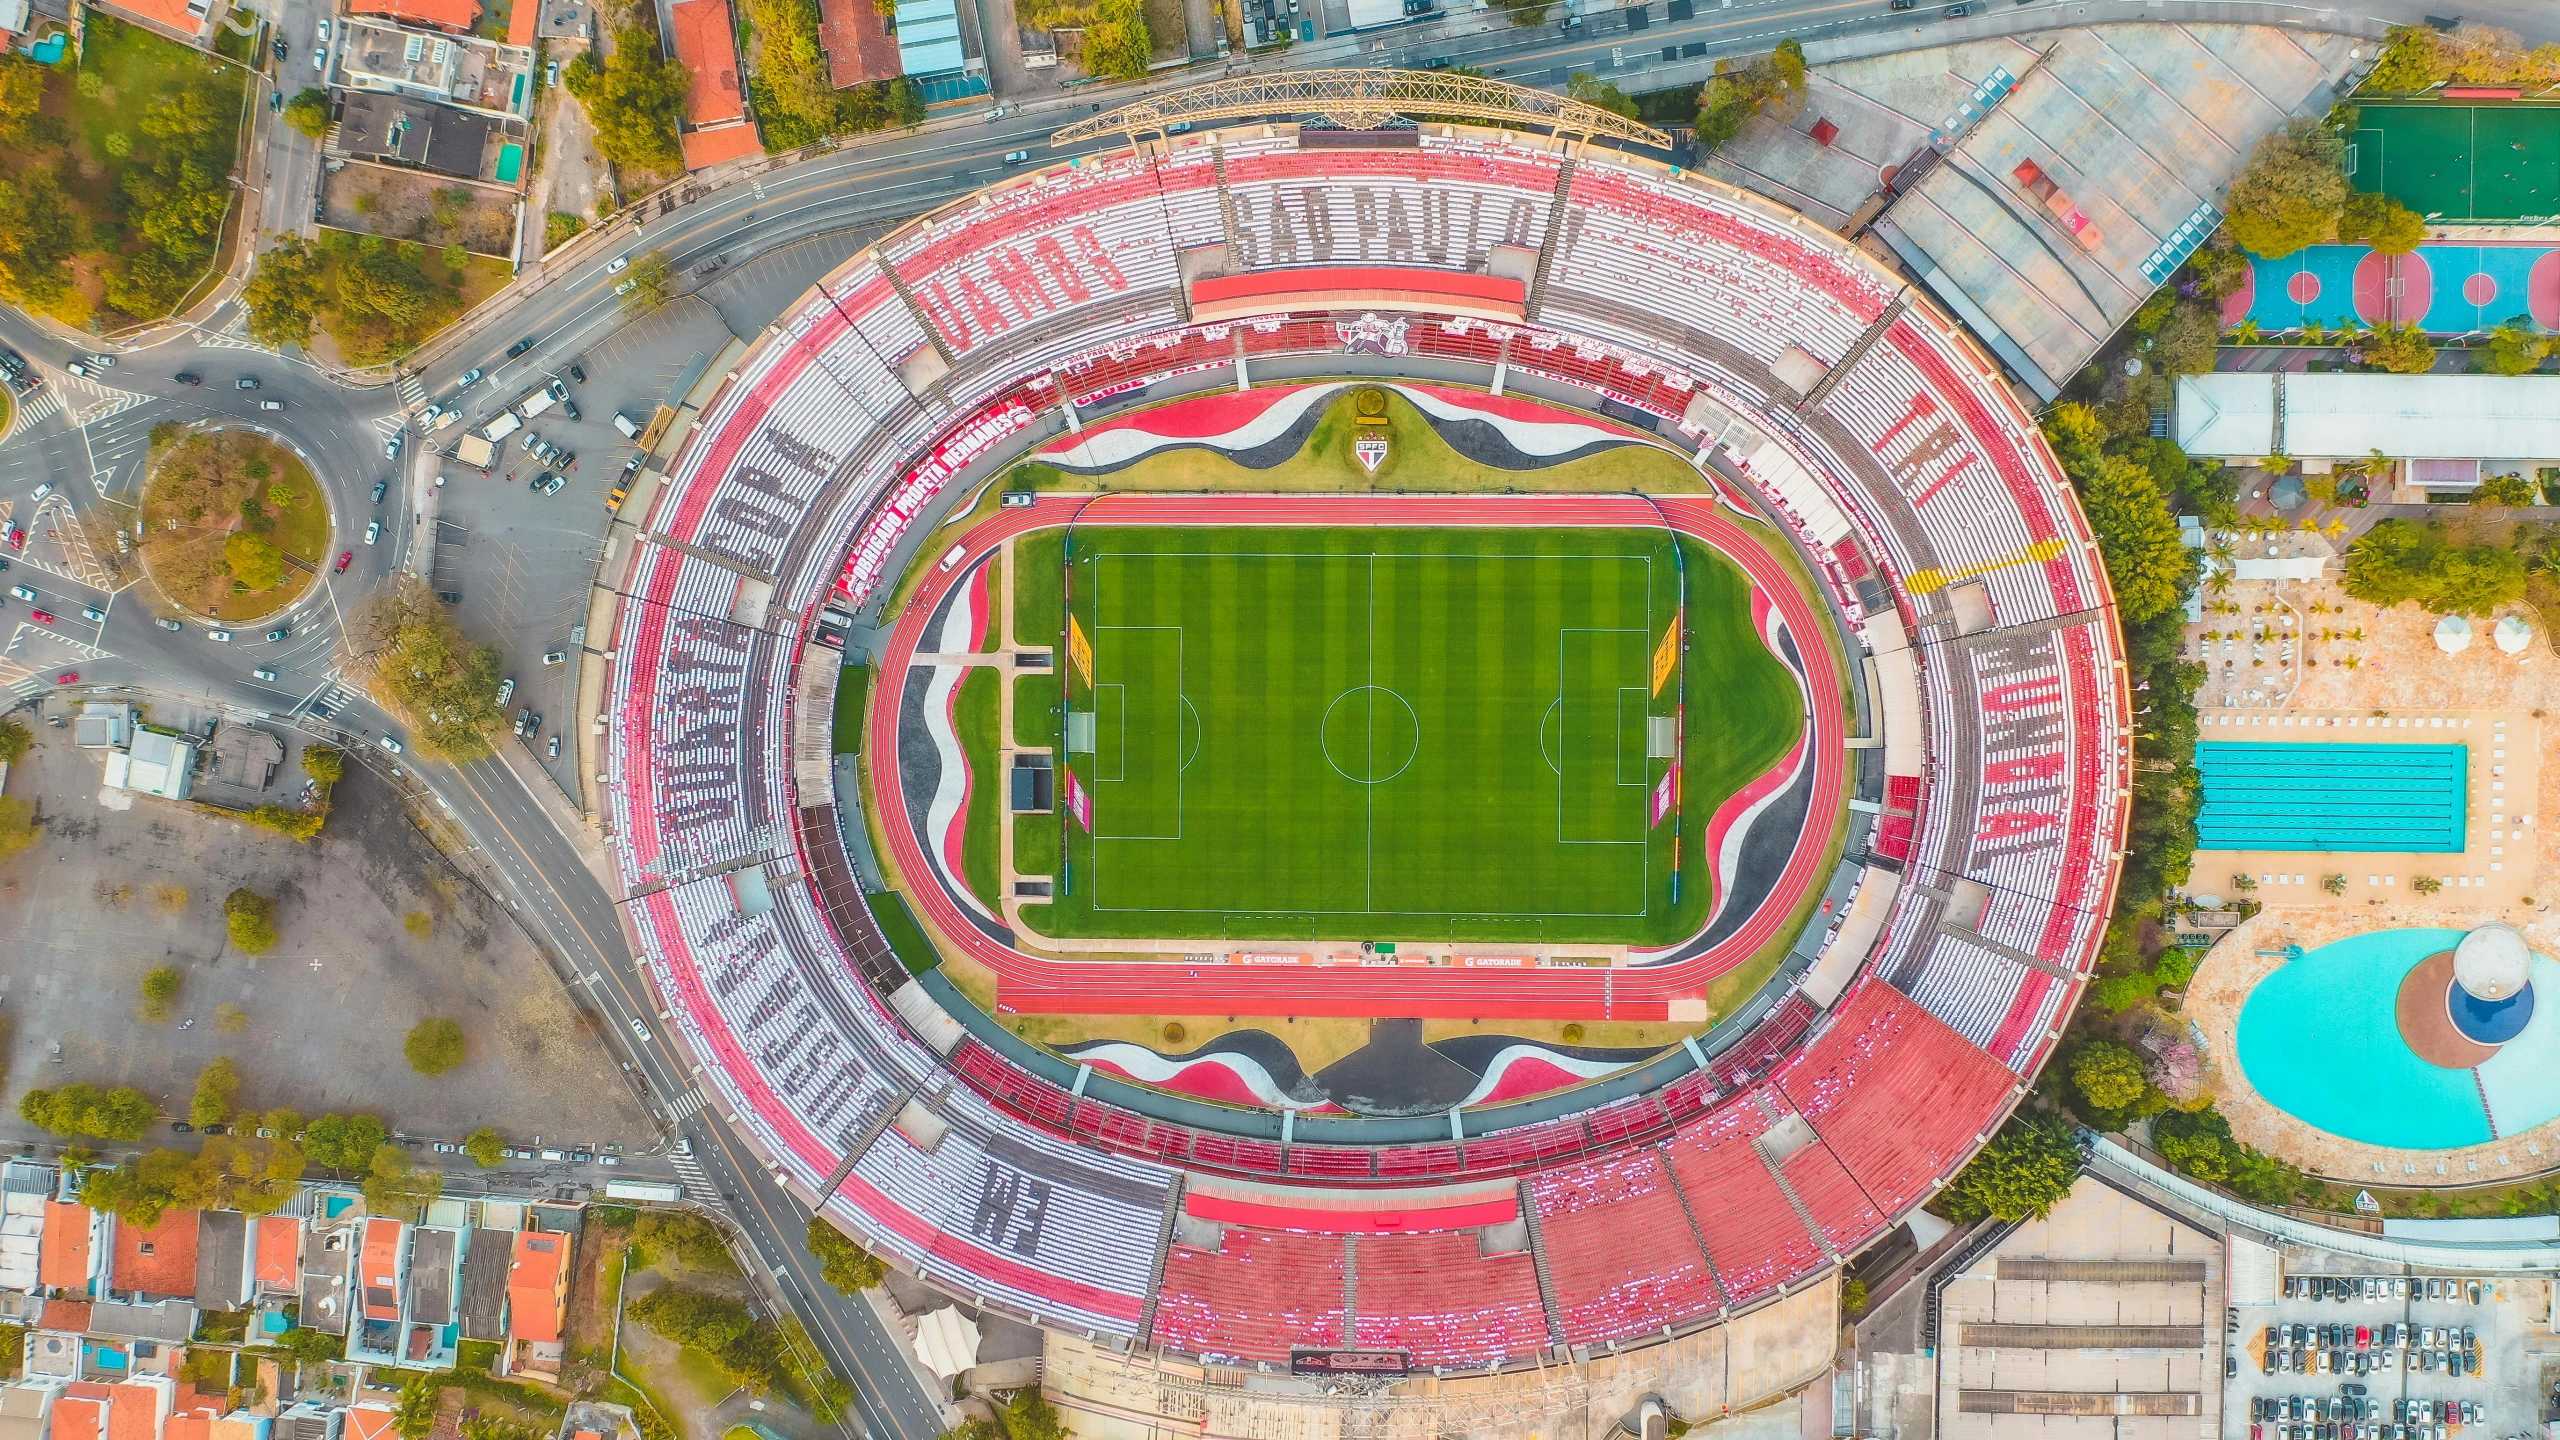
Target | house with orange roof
(136,1408)
(74,1239)
(379,1267)
(80,1412)
(457,16)
(538,1303)
(860,43)
(277,1256)
(191,1416)
(156,1260)
(367,1420)
(715,103)
(186,21)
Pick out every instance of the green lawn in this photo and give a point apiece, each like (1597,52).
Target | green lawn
(1399,733)
(853,701)
(1036,557)
(898,926)
(1034,697)
(976,717)
(1035,844)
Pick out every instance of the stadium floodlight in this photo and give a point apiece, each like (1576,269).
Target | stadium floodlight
(1364,100)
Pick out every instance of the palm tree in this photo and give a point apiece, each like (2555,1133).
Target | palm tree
(2337,528)
(2245,333)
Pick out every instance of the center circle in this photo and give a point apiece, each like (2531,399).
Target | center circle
(1370,734)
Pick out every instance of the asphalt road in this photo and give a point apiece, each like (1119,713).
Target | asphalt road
(89,441)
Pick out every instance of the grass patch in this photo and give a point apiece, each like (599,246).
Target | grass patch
(976,717)
(906,937)
(993,640)
(853,704)
(1035,844)
(419,924)
(1035,589)
(478,1355)
(1035,698)
(233,524)
(1318,733)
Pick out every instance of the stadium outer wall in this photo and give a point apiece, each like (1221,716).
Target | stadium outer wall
(1980,871)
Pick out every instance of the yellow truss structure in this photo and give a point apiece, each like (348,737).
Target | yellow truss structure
(1364,100)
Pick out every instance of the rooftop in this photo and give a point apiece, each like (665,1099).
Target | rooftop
(457,70)
(157,1259)
(67,1260)
(860,43)
(245,755)
(432,1256)
(378,1269)
(190,18)
(2245,415)
(279,1252)
(534,1286)
(415,132)
(454,15)
(707,44)
(484,1284)
(705,148)
(222,1256)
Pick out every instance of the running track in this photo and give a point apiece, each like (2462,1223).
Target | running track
(1028,984)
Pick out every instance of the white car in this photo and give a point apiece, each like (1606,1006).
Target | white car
(372,531)
(324,30)
(44,489)
(394,746)
(618,266)
(639,1029)
(222,637)
(506,691)
(626,287)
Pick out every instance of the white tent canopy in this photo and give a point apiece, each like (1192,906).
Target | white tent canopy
(2453,634)
(2512,634)
(946,1342)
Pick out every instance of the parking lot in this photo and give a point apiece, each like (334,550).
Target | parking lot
(2373,1356)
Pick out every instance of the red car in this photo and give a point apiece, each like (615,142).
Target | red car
(42,617)
(17,539)
(345,558)
(67,677)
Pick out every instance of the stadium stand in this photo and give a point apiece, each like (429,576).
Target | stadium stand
(928,359)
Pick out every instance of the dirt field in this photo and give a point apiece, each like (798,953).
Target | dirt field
(433,210)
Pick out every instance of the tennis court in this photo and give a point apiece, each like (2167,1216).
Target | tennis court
(2395,799)
(2461,163)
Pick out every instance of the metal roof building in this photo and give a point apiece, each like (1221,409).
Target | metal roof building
(2406,417)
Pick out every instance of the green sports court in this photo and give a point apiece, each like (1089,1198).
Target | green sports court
(1343,732)
(2456,164)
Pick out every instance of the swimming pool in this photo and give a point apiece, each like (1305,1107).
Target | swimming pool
(2395,798)
(2320,1039)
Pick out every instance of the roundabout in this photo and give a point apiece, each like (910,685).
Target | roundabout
(1913,870)
(234,526)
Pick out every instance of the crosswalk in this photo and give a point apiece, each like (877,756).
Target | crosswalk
(228,340)
(689,1170)
(42,405)
(413,392)
(687,1105)
(336,698)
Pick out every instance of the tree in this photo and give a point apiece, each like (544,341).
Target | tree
(2029,1165)
(252,921)
(1737,92)
(283,293)
(2197,1142)
(2185,343)
(485,1146)
(324,763)
(2516,349)
(2425,884)
(2148,568)
(308,112)
(141,1189)
(1591,90)
(15,741)
(160,987)
(310,1347)
(39,236)
(2289,193)
(2334,884)
(652,280)
(415,1415)
(1032,1417)
(392,1186)
(748,1352)
(2510,491)
(843,1264)
(633,98)
(217,1090)
(2116,994)
(2402,349)
(435,1046)
(418,659)
(254,560)
(83,1109)
(2381,222)
(344,1142)
(21,95)
(2108,1075)
(2411,61)
(2397,561)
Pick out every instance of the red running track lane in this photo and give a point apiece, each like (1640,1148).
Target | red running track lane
(1030,984)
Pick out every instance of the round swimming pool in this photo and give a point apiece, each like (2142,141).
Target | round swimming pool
(2328,1040)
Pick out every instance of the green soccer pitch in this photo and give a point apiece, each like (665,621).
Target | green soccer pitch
(1389,733)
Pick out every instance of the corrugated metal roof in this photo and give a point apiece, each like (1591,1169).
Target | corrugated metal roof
(929,37)
(2410,417)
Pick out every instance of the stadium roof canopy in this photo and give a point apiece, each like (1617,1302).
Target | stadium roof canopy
(2414,417)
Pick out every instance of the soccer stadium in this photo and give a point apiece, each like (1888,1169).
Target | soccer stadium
(1471,573)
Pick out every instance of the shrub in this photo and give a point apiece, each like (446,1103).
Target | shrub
(344,1142)
(160,987)
(85,1110)
(292,824)
(324,763)
(485,1146)
(844,1264)
(15,741)
(2426,884)
(721,1329)
(2029,1165)
(2108,1075)
(435,1045)
(217,1090)
(251,918)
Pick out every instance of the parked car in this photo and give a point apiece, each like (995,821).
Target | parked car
(552,484)
(93,614)
(23,593)
(577,372)
(555,747)
(41,617)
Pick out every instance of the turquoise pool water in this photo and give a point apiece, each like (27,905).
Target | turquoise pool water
(2336,797)
(2320,1040)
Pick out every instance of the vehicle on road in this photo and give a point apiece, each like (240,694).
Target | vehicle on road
(93,614)
(344,558)
(23,593)
(559,388)
(1017,157)
(570,409)
(67,677)
(42,491)
(219,637)
(281,632)
(380,489)
(372,532)
(469,379)
(188,377)
(41,617)
(627,286)
(263,673)
(555,747)
(245,382)
(392,745)
(270,404)
(167,624)
(1956,12)
(520,347)
(620,264)
(391,447)
(103,362)
(76,368)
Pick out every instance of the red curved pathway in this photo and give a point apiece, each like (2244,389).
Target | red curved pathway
(1030,984)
